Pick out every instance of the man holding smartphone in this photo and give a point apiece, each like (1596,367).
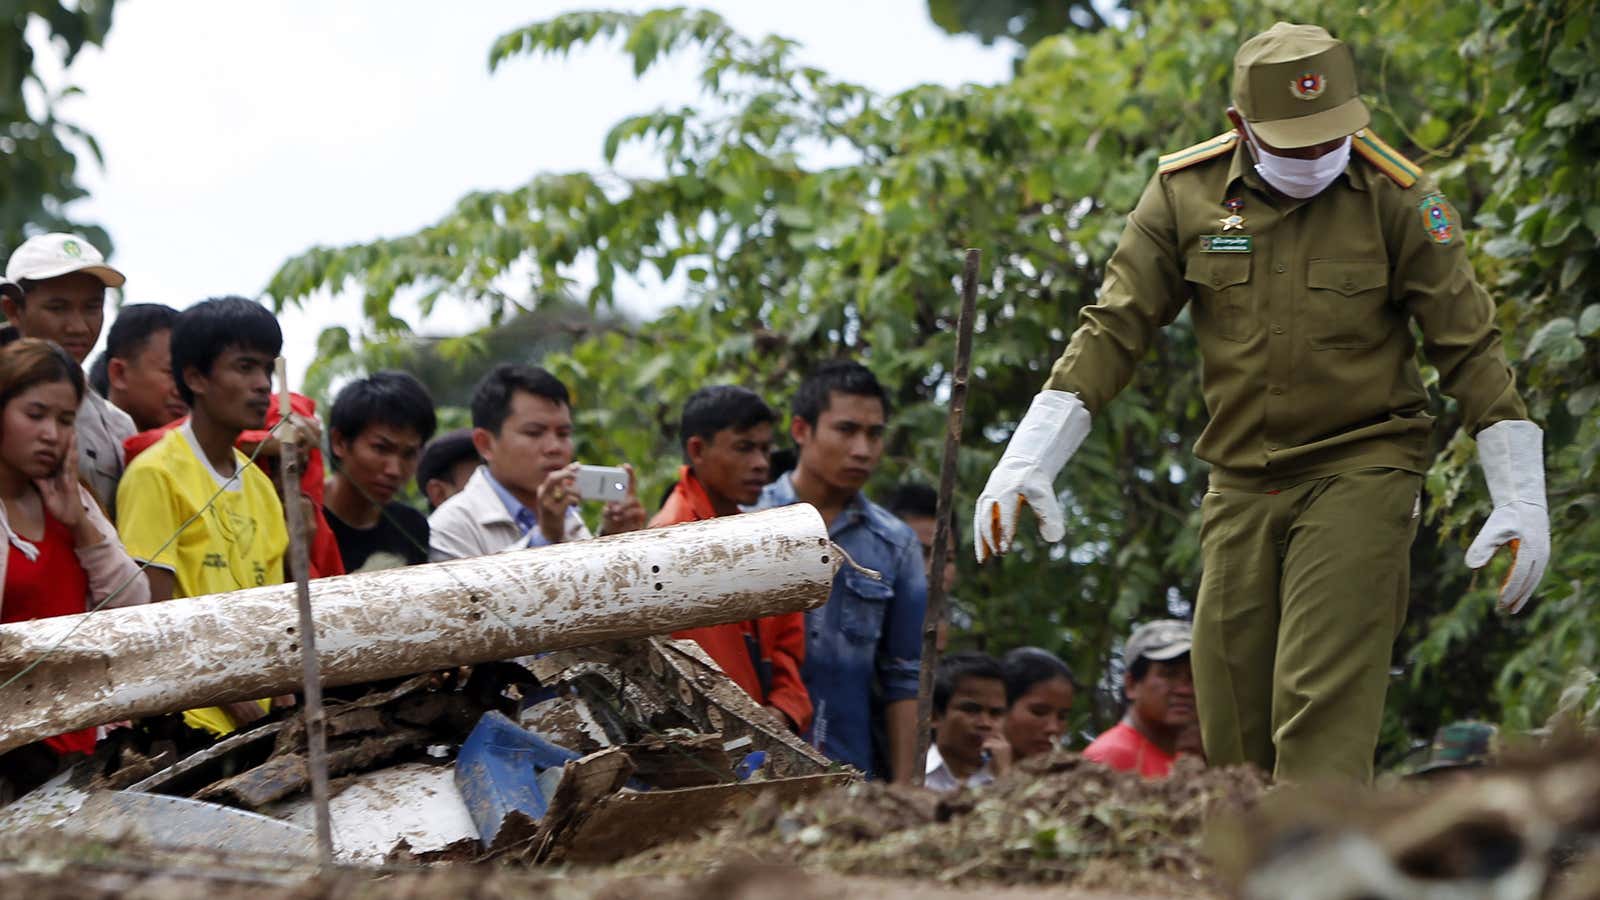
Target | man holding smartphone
(525,494)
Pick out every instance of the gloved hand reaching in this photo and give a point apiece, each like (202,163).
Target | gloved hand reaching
(1511,453)
(1055,426)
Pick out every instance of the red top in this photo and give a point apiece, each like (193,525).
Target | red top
(1123,748)
(781,638)
(52,585)
(324,552)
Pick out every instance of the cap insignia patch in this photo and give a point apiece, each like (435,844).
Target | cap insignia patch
(71,249)
(1308,86)
(1438,218)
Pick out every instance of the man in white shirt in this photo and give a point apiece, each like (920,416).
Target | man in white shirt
(55,290)
(969,705)
(525,493)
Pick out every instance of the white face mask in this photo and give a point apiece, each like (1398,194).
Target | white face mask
(1299,178)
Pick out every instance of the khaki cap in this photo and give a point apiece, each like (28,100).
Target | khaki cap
(53,255)
(1296,86)
(1161,640)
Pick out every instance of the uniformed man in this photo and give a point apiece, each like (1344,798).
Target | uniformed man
(1307,246)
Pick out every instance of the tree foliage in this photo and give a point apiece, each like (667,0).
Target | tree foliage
(1025,21)
(798,217)
(38,149)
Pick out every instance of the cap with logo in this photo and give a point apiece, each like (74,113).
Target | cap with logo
(53,255)
(1461,745)
(1296,86)
(1161,640)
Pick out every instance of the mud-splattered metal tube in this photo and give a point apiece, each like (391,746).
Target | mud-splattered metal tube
(147,660)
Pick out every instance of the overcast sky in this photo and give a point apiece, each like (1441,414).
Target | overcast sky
(237,135)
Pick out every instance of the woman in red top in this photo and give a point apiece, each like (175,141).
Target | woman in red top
(61,555)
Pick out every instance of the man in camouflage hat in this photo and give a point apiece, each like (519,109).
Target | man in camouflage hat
(1307,246)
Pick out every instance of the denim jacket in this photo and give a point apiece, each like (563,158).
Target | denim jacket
(868,634)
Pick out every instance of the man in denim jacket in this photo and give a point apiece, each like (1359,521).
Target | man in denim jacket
(863,647)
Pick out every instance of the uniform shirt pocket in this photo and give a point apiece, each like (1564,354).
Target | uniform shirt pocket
(865,603)
(1347,303)
(1224,302)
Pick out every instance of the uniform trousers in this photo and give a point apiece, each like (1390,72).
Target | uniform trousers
(1302,596)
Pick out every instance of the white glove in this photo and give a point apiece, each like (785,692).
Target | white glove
(1056,424)
(1512,456)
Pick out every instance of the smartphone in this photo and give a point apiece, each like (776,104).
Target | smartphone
(605,483)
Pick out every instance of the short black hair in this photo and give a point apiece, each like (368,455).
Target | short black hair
(842,376)
(387,398)
(100,374)
(442,454)
(1028,666)
(957,667)
(491,399)
(913,498)
(721,407)
(133,327)
(209,328)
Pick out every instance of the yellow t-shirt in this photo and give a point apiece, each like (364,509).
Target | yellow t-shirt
(239,542)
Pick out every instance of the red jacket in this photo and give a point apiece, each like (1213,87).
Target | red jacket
(324,551)
(781,638)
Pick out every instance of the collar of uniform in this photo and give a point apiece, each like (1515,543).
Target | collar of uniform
(1242,167)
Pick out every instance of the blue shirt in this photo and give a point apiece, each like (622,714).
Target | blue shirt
(868,634)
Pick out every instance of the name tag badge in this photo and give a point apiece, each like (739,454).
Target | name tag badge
(1225,243)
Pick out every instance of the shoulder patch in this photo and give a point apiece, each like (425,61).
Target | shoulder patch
(1385,158)
(1207,149)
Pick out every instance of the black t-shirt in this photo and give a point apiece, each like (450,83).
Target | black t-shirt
(399,539)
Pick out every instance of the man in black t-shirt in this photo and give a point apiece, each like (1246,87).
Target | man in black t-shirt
(376,431)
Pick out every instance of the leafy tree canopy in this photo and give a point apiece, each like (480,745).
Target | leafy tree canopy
(781,256)
(38,150)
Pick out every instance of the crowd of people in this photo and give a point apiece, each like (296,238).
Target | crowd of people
(152,478)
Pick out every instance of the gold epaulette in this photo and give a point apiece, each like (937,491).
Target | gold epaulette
(1207,149)
(1385,158)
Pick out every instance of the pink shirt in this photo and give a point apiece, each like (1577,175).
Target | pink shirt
(1123,748)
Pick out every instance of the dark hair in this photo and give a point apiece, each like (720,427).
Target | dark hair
(721,407)
(131,331)
(100,374)
(210,328)
(26,362)
(957,667)
(842,376)
(442,454)
(1028,666)
(1139,669)
(914,498)
(387,398)
(491,400)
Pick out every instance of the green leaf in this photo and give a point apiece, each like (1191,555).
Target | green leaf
(1589,322)
(1552,333)
(1583,400)
(1571,61)
(1571,270)
(1564,115)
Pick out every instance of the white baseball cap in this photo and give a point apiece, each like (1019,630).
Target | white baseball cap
(53,255)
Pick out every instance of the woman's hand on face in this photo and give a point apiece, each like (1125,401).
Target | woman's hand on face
(60,495)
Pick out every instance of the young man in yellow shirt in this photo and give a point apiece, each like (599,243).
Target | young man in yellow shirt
(228,521)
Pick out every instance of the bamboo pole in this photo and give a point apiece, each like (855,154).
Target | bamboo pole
(164,657)
(289,469)
(941,529)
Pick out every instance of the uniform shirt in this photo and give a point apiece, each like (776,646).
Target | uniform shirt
(1307,356)
(101,430)
(869,632)
(1123,748)
(238,542)
(399,539)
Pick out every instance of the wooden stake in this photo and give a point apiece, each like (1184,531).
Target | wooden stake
(300,565)
(941,529)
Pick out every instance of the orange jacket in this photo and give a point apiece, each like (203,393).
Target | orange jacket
(781,638)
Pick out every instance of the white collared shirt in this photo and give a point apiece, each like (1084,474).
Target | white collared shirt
(938,776)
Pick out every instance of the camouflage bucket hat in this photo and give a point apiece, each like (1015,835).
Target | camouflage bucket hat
(1296,86)
(1161,640)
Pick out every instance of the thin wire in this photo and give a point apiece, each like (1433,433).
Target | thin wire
(139,572)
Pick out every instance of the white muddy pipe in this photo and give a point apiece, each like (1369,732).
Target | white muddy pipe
(181,654)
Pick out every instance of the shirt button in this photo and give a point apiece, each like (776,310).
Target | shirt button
(1348,284)
(1282,268)
(1277,391)
(1216,280)
(1277,329)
